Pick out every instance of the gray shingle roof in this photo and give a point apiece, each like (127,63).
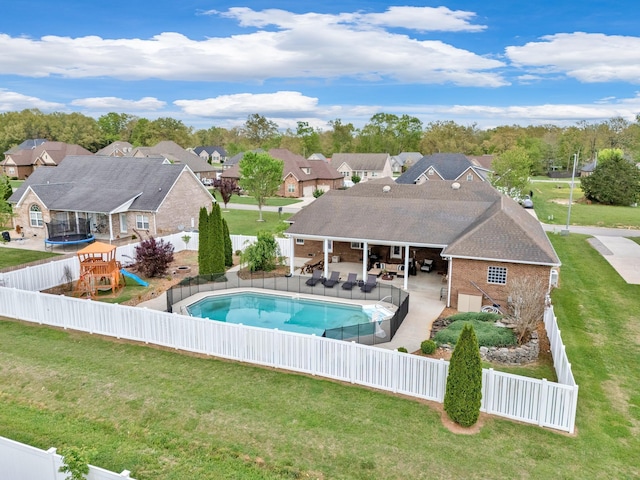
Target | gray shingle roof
(176,154)
(101,184)
(472,221)
(449,165)
(360,161)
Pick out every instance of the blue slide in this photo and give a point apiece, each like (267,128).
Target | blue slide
(134,277)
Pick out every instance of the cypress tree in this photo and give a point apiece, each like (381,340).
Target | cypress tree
(217,240)
(228,246)
(463,396)
(203,242)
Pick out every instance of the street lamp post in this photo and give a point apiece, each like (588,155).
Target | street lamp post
(573,175)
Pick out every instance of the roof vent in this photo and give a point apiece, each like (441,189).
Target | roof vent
(455,186)
(386,189)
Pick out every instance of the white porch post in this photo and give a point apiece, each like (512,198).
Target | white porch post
(110,227)
(406,267)
(292,255)
(325,248)
(365,260)
(449,268)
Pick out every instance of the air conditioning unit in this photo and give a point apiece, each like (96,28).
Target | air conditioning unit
(553,278)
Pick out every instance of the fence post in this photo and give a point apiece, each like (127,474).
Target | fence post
(125,474)
(352,357)
(542,404)
(314,354)
(442,380)
(487,398)
(52,454)
(395,370)
(573,409)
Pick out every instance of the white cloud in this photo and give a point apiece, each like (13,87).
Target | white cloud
(587,57)
(311,45)
(12,101)
(111,104)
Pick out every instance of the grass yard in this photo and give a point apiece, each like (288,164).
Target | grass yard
(551,200)
(245,222)
(246,200)
(11,257)
(167,415)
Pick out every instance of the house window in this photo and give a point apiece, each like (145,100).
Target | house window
(497,275)
(470,177)
(374,174)
(291,188)
(306,170)
(430,172)
(35,216)
(299,241)
(346,174)
(142,221)
(396,251)
(364,174)
(11,170)
(357,245)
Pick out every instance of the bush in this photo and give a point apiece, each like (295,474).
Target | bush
(428,347)
(488,335)
(463,395)
(470,316)
(262,255)
(402,349)
(153,258)
(318,193)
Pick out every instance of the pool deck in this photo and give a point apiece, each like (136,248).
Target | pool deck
(425,305)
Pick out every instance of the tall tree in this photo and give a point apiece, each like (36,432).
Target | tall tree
(204,243)
(463,395)
(167,128)
(511,171)
(6,210)
(259,130)
(260,176)
(113,125)
(228,245)
(342,136)
(217,240)
(310,139)
(614,181)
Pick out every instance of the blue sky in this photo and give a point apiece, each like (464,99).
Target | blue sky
(490,63)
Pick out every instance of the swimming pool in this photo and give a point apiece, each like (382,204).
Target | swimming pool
(301,315)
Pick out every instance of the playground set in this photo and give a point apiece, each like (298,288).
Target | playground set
(100,271)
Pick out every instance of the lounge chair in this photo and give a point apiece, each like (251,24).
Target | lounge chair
(351,281)
(332,280)
(370,284)
(316,276)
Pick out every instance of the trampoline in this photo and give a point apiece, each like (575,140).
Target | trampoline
(65,233)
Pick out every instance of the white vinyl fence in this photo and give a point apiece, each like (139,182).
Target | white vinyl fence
(525,399)
(23,462)
(560,360)
(49,275)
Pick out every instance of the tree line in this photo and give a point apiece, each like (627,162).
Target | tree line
(548,146)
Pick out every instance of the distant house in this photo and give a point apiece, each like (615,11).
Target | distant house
(300,176)
(29,144)
(318,156)
(364,165)
(478,239)
(211,154)
(176,154)
(116,195)
(22,163)
(404,160)
(443,166)
(482,161)
(116,149)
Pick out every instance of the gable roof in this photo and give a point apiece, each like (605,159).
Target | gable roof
(117,148)
(56,150)
(449,166)
(361,161)
(472,221)
(482,161)
(210,149)
(176,154)
(29,144)
(102,184)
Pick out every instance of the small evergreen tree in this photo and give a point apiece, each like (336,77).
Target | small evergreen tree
(217,240)
(153,257)
(464,383)
(228,246)
(204,266)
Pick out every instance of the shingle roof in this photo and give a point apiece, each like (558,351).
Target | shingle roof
(174,152)
(101,184)
(56,150)
(210,149)
(449,165)
(361,161)
(114,147)
(473,221)
(29,144)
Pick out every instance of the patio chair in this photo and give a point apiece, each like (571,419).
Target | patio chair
(332,280)
(316,276)
(350,282)
(370,284)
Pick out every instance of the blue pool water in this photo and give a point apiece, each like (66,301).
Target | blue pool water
(281,312)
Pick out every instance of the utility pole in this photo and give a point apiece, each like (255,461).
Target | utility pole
(573,176)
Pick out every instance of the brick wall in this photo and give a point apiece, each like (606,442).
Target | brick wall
(21,217)
(464,271)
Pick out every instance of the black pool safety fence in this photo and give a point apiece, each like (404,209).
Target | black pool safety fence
(381,329)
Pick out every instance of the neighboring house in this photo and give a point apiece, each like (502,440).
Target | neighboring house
(364,165)
(29,144)
(482,161)
(23,163)
(300,176)
(176,154)
(477,238)
(443,166)
(404,160)
(237,157)
(115,194)
(116,149)
(211,154)
(318,156)
(588,168)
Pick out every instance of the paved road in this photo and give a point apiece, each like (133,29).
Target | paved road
(593,231)
(293,208)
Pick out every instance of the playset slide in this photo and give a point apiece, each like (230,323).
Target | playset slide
(134,277)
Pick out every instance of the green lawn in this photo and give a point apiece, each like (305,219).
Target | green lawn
(167,415)
(245,222)
(245,200)
(16,183)
(10,257)
(551,200)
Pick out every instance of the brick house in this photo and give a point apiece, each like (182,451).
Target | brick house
(300,176)
(176,154)
(367,166)
(116,195)
(477,238)
(23,162)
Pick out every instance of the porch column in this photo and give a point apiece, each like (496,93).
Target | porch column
(325,248)
(77,222)
(292,255)
(365,260)
(406,267)
(110,227)
(449,268)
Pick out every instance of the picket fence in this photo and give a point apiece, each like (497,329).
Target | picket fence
(529,400)
(24,462)
(48,275)
(561,362)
